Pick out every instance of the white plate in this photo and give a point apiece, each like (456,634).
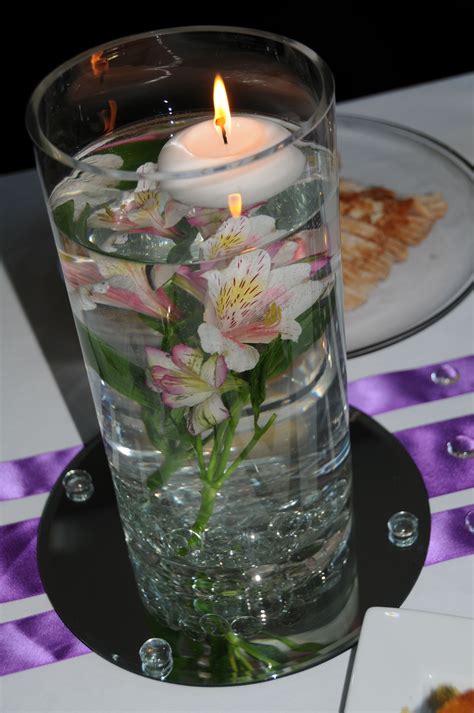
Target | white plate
(377,153)
(402,655)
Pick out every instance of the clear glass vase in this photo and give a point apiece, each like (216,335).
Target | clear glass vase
(202,261)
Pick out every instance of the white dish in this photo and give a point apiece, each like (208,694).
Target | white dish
(377,153)
(403,655)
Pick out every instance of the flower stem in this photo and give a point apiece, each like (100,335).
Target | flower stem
(200,456)
(239,645)
(159,476)
(211,487)
(208,495)
(259,432)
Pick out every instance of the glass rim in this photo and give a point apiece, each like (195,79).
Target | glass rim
(47,147)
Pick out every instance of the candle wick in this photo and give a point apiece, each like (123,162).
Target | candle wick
(221,124)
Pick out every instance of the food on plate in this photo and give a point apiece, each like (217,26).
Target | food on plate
(461,703)
(447,699)
(377,228)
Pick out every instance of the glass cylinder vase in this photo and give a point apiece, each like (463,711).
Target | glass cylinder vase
(200,251)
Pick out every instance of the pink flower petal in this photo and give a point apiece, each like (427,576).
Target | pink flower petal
(187,358)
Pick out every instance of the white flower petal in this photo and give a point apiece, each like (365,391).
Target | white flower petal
(239,357)
(261,225)
(212,340)
(144,183)
(157,357)
(254,264)
(289,275)
(160,274)
(214,370)
(284,254)
(106,161)
(302,297)
(290,328)
(186,398)
(206,415)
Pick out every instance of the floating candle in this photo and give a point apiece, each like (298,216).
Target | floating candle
(212,143)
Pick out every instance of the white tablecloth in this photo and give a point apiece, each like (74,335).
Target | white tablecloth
(40,351)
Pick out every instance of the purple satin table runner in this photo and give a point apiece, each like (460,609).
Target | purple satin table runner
(34,475)
(19,575)
(450,537)
(35,641)
(399,389)
(42,638)
(428,446)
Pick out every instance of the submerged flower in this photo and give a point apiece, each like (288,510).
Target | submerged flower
(145,209)
(119,283)
(186,378)
(142,211)
(249,303)
(207,220)
(88,188)
(239,234)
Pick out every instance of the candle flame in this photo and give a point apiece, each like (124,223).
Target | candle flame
(234,201)
(109,116)
(222,120)
(99,64)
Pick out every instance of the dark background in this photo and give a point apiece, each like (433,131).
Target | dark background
(370,47)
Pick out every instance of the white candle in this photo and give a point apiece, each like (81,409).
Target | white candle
(202,146)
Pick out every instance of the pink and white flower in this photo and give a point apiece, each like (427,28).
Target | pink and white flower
(207,220)
(86,188)
(237,235)
(119,283)
(145,209)
(286,252)
(185,378)
(249,303)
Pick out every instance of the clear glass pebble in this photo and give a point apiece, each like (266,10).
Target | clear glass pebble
(214,625)
(246,626)
(445,375)
(469,521)
(157,658)
(461,446)
(403,529)
(78,485)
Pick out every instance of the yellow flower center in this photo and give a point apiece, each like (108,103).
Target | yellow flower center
(237,297)
(272,315)
(226,242)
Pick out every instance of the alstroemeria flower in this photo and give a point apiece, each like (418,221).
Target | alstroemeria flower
(186,378)
(143,211)
(146,209)
(239,234)
(88,188)
(249,303)
(119,283)
(301,247)
(207,220)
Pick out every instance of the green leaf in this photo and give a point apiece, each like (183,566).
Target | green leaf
(64,218)
(278,356)
(155,324)
(180,252)
(191,311)
(259,375)
(136,153)
(115,369)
